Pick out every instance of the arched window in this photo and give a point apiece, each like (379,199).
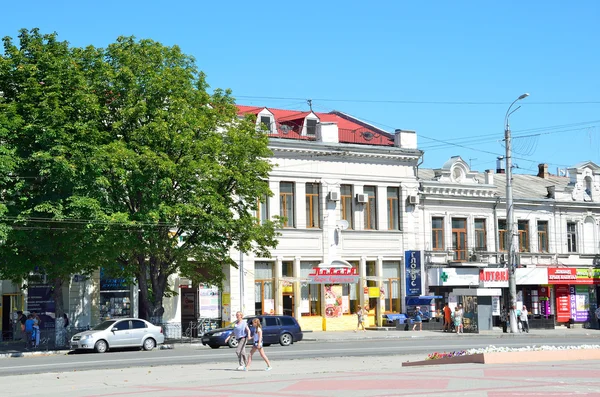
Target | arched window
(588,189)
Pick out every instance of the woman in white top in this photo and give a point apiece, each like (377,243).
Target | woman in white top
(241,332)
(258,344)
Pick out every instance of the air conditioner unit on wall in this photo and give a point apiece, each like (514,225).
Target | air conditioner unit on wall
(413,200)
(362,198)
(334,196)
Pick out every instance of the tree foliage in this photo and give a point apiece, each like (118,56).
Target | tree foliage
(120,158)
(46,112)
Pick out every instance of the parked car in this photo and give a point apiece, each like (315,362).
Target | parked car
(284,330)
(118,333)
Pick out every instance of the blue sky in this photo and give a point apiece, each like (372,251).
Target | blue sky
(446,69)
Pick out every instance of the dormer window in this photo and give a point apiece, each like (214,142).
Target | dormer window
(311,127)
(266,121)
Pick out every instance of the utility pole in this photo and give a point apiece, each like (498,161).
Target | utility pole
(512,232)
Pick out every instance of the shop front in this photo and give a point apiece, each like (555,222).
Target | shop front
(574,294)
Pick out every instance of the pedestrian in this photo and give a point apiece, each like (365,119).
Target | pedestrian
(457,319)
(418,318)
(524,319)
(36,330)
(366,315)
(258,345)
(240,333)
(504,319)
(29,332)
(360,319)
(65,320)
(20,326)
(447,318)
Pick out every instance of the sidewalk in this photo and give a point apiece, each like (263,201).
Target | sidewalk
(17,349)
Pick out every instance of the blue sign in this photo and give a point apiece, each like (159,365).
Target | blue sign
(412,264)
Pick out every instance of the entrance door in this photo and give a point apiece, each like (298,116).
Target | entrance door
(11,303)
(288,304)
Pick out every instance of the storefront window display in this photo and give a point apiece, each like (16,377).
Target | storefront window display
(115,297)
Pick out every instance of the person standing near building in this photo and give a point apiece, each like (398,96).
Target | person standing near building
(457,318)
(258,344)
(447,318)
(29,332)
(524,320)
(241,332)
(504,319)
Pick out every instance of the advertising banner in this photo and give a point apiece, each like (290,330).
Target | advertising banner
(209,301)
(412,263)
(571,275)
(563,304)
(580,303)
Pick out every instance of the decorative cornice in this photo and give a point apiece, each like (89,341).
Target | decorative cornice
(458,190)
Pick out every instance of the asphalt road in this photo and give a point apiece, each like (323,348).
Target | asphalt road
(416,348)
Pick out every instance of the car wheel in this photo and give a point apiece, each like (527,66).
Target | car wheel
(286,339)
(214,346)
(149,344)
(101,346)
(232,343)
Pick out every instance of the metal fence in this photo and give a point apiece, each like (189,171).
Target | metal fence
(188,332)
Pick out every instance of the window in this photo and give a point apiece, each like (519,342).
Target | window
(287,321)
(286,203)
(262,213)
(266,122)
(437,233)
(392,208)
(287,269)
(542,227)
(137,324)
(370,211)
(264,302)
(310,294)
(311,127)
(312,205)
(459,239)
(271,322)
(502,242)
(391,286)
(571,237)
(523,236)
(480,235)
(346,207)
(122,325)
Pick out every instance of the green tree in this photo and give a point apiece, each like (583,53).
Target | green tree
(46,111)
(178,174)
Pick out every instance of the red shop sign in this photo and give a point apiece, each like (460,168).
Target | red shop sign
(563,304)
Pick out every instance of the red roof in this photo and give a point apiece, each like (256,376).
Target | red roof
(350,129)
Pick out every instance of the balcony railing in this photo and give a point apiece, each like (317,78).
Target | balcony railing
(364,136)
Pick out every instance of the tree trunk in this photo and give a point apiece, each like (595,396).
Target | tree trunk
(59,309)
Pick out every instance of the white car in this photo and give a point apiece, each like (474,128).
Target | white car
(118,333)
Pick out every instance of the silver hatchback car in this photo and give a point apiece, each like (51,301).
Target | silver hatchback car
(118,333)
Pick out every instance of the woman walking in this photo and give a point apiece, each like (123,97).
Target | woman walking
(240,333)
(258,344)
(418,319)
(457,318)
(360,313)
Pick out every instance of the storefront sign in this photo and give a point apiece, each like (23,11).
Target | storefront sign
(571,275)
(412,261)
(563,304)
(453,277)
(496,278)
(39,299)
(333,275)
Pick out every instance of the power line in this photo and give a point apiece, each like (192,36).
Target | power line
(398,101)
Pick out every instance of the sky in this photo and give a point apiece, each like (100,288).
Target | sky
(448,70)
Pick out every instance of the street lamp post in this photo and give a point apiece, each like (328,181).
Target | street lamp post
(510,221)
